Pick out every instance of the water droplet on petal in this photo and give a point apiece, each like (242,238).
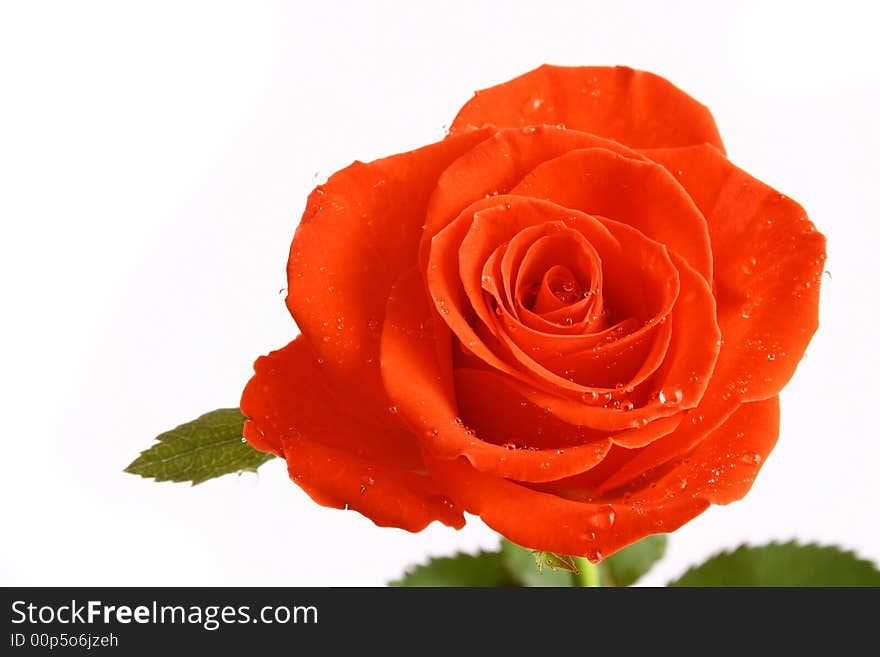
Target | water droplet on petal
(670,396)
(604,518)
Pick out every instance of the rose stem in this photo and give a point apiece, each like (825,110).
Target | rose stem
(588,575)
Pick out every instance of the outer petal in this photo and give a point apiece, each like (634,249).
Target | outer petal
(636,108)
(719,471)
(337,454)
(768,265)
(359,232)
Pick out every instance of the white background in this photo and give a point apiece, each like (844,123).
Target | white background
(155,158)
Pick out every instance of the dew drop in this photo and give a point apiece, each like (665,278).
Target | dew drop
(626,405)
(590,397)
(604,518)
(670,396)
(751,458)
(393,410)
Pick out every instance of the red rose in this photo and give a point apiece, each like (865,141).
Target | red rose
(571,317)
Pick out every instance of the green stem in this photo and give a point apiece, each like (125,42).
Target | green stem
(588,575)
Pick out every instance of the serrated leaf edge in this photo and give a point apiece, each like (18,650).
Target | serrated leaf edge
(786,544)
(129,469)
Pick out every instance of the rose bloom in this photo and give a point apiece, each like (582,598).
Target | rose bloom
(571,317)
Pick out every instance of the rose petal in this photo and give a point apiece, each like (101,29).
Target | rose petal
(496,165)
(719,471)
(358,233)
(642,194)
(685,372)
(336,451)
(768,271)
(636,108)
(769,260)
(466,243)
(411,372)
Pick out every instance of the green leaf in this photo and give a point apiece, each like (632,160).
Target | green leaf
(788,564)
(626,567)
(521,566)
(482,569)
(209,446)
